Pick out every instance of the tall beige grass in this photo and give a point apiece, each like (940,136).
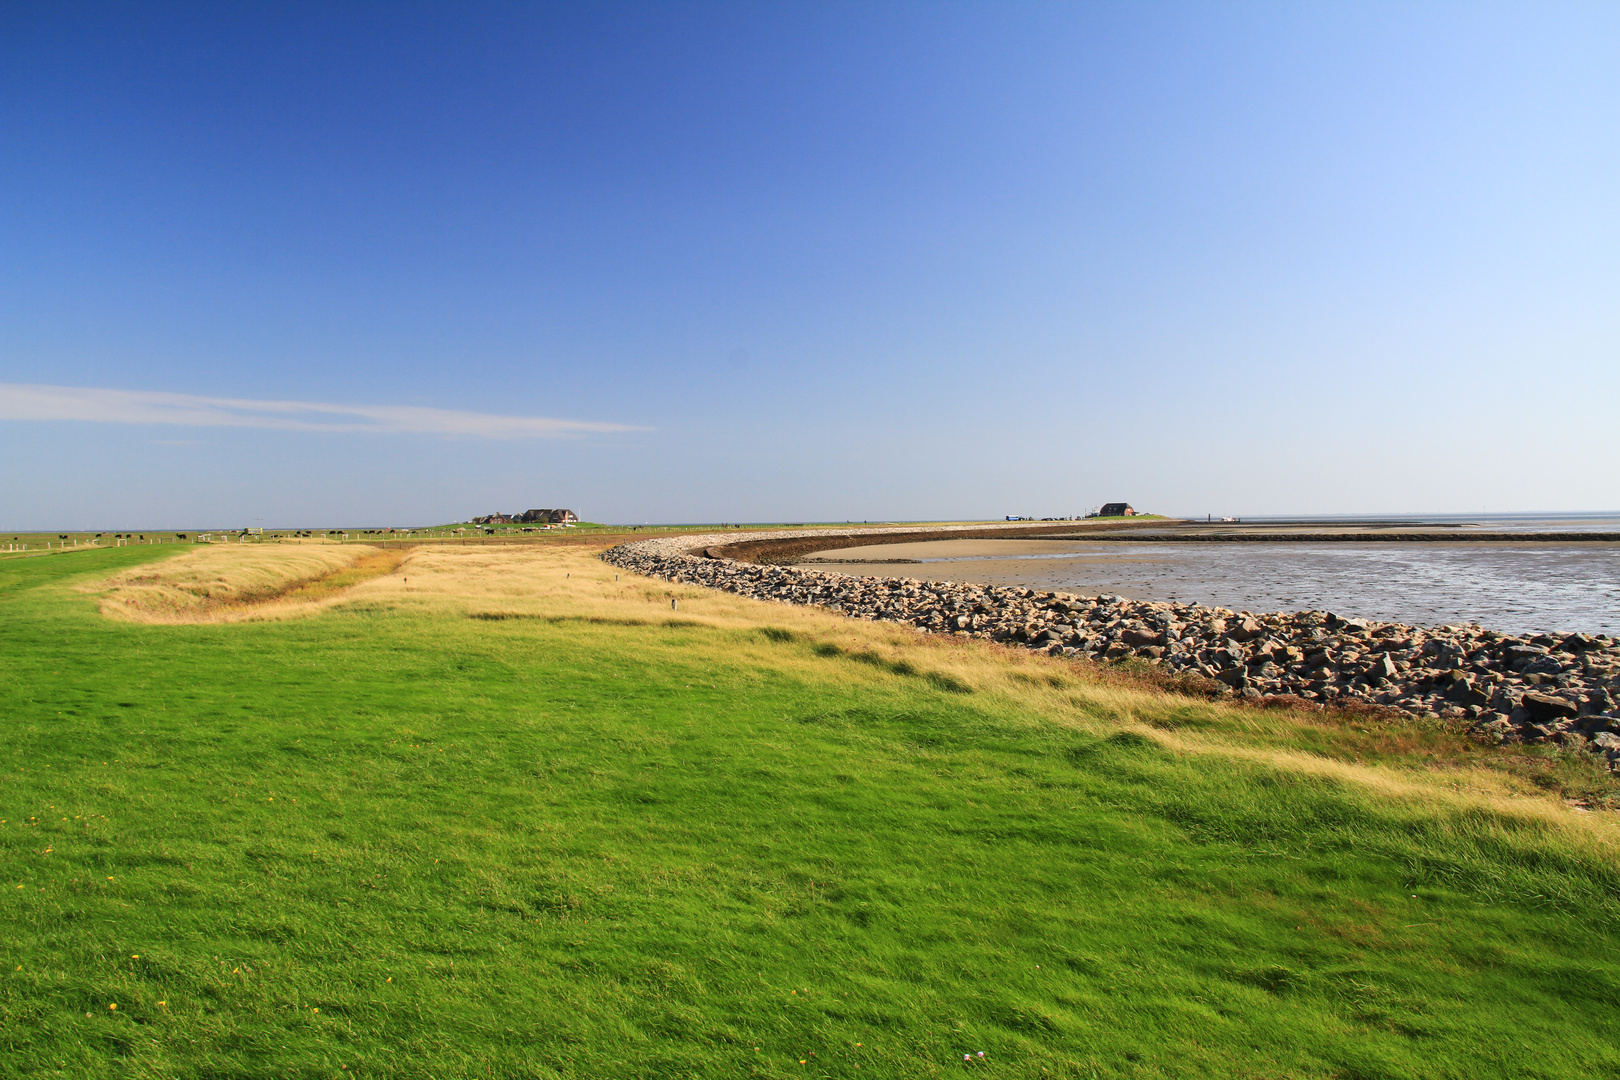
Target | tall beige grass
(232,583)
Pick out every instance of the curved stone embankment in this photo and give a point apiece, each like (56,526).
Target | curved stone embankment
(1542,688)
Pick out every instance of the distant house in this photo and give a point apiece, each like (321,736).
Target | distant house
(548,517)
(1116,510)
(530,517)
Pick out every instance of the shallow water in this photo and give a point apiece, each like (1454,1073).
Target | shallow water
(1461,522)
(1515,587)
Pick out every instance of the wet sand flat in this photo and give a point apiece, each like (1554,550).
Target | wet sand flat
(953,549)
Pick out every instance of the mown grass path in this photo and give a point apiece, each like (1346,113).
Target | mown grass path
(393,840)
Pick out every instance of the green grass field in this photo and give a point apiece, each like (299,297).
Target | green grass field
(559,832)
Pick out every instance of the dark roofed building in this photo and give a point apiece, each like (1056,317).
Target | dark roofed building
(549,517)
(1116,510)
(535,517)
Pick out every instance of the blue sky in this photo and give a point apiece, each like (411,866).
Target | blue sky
(309,264)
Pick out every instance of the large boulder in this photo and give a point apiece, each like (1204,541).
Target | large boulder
(1244,630)
(1465,693)
(1545,708)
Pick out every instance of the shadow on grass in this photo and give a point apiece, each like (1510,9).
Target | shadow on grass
(593,620)
(938,680)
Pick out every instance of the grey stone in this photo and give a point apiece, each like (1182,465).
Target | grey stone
(1504,700)
(1608,742)
(1246,630)
(1465,693)
(1545,707)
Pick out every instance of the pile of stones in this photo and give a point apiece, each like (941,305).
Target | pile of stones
(1542,688)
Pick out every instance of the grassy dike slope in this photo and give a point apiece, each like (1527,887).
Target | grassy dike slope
(512,818)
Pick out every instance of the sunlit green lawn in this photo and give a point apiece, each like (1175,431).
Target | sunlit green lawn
(393,843)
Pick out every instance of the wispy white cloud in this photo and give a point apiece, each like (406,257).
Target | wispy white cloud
(21,401)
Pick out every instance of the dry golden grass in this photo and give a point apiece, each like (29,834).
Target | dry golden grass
(238,583)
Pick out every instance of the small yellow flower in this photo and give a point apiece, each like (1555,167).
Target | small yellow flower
(113,1005)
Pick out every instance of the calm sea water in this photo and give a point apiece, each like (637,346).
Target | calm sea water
(1468,523)
(1518,587)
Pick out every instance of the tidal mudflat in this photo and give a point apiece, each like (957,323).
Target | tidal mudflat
(1517,587)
